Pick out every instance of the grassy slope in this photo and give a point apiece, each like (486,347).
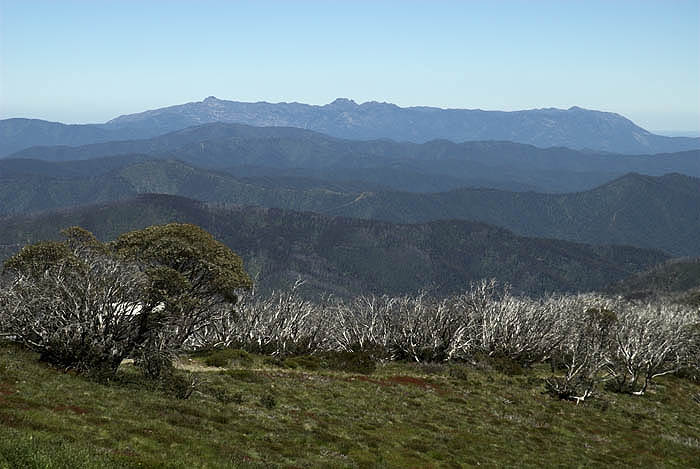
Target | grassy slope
(404,415)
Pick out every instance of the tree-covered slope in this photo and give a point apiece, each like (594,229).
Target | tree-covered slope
(659,212)
(31,189)
(350,256)
(644,211)
(677,278)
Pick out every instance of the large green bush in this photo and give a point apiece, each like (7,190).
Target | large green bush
(86,305)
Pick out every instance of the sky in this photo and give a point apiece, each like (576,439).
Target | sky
(79,61)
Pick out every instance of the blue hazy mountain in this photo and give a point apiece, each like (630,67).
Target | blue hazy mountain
(434,166)
(575,127)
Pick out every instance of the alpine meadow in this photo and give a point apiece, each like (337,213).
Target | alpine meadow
(391,234)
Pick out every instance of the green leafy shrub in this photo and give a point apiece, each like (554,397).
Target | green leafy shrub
(689,373)
(458,371)
(226,396)
(306,362)
(191,275)
(499,363)
(350,362)
(227,357)
(268,401)
(247,376)
(179,385)
(432,368)
(275,361)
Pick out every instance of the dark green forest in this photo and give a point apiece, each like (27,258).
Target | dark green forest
(350,256)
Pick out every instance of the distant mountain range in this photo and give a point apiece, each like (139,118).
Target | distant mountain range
(350,256)
(435,166)
(651,212)
(574,128)
(403,198)
(17,134)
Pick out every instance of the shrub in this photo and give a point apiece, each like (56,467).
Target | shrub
(306,362)
(226,396)
(689,373)
(191,275)
(74,303)
(650,341)
(227,357)
(497,323)
(586,334)
(247,376)
(282,324)
(504,364)
(86,306)
(578,387)
(349,362)
(458,371)
(179,385)
(268,401)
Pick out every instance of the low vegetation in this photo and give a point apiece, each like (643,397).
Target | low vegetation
(224,377)
(286,412)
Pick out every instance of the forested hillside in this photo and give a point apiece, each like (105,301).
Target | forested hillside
(614,213)
(350,256)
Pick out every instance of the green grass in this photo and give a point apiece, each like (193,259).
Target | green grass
(256,414)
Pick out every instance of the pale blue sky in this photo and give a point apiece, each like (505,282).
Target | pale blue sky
(89,61)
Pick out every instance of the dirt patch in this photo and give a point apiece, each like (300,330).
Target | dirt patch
(8,420)
(5,390)
(420,382)
(409,380)
(399,380)
(72,408)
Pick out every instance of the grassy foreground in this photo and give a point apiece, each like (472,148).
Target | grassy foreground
(258,413)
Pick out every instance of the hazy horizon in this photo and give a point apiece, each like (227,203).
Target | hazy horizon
(88,62)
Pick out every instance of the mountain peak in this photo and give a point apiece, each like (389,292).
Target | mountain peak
(343,102)
(211,100)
